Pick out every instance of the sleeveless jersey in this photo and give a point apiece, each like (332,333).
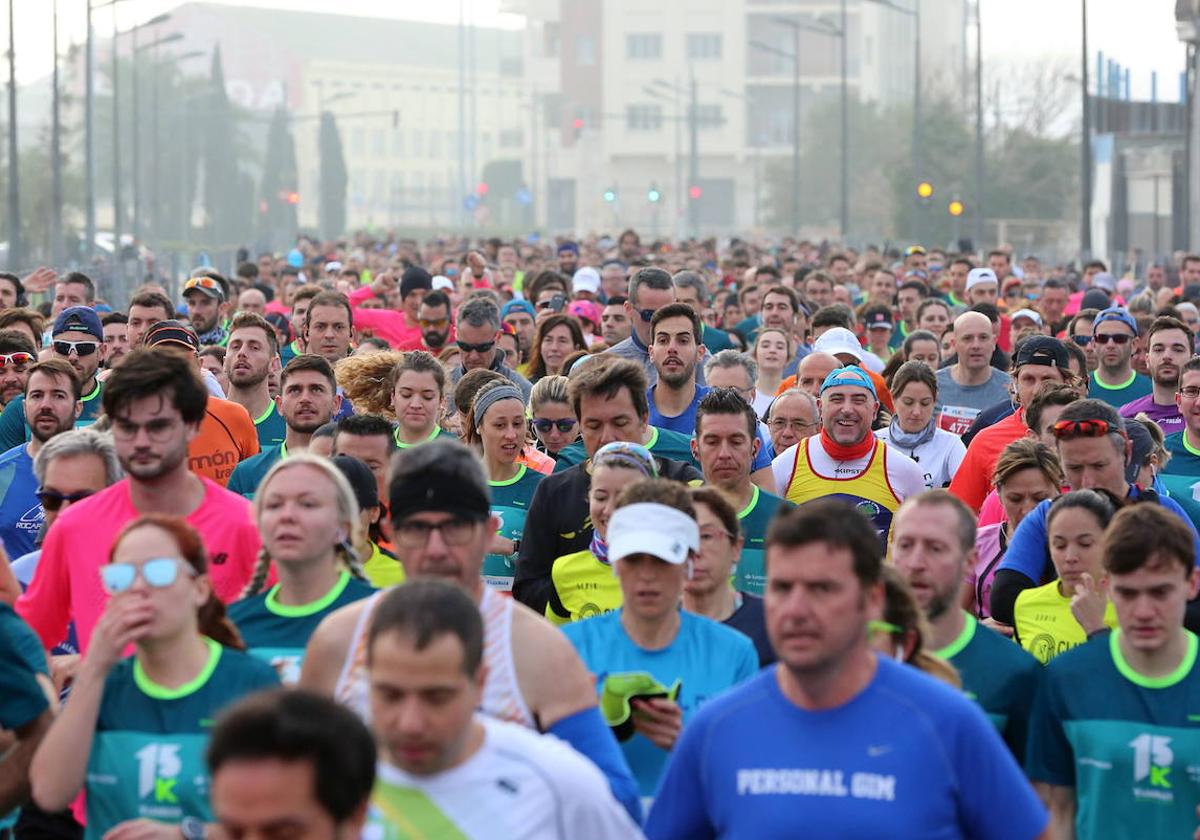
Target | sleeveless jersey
(870,490)
(501,694)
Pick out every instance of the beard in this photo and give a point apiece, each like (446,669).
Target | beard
(169,460)
(679,378)
(244,379)
(940,602)
(433,338)
(61,425)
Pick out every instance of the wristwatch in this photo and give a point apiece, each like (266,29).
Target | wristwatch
(193,828)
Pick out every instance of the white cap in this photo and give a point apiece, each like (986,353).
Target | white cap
(441,281)
(981,275)
(838,340)
(332,266)
(586,279)
(1027,313)
(654,529)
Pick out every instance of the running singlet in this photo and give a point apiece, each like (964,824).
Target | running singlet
(869,490)
(147,758)
(1125,742)
(751,575)
(510,504)
(519,785)
(502,697)
(1044,624)
(585,585)
(278,633)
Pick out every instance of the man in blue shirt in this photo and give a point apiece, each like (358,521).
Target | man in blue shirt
(834,740)
(676,352)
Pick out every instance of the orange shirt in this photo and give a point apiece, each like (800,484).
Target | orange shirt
(881,388)
(973,480)
(226,437)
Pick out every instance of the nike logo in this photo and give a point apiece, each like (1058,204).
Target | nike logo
(876,751)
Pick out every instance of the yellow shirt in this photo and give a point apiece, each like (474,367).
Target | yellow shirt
(1044,624)
(383,569)
(585,586)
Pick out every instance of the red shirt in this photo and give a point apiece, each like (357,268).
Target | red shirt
(973,481)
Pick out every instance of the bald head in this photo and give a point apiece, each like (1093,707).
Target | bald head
(252,300)
(813,369)
(974,340)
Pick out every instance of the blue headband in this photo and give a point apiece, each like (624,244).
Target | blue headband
(852,375)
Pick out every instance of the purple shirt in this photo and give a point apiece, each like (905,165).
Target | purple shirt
(1167,417)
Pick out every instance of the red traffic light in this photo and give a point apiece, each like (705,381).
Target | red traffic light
(695,192)
(482,189)
(293,198)
(578,124)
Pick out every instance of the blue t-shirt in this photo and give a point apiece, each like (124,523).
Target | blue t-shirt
(907,757)
(684,423)
(1126,743)
(20,511)
(708,658)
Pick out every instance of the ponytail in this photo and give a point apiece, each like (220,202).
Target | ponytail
(258,580)
(214,622)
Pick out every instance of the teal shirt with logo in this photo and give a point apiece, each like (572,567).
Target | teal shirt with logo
(751,574)
(271,428)
(147,758)
(999,676)
(1136,387)
(510,503)
(249,473)
(1185,458)
(1127,743)
(278,633)
(663,443)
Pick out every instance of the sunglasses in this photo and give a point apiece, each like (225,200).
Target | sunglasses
(1082,428)
(440,323)
(80,348)
(647,315)
(158,573)
(203,283)
(1082,340)
(15,359)
(482,347)
(544,425)
(52,500)
(1119,339)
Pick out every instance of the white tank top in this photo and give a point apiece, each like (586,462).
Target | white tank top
(501,694)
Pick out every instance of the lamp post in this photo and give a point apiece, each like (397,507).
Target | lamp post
(1085,145)
(979,162)
(794,57)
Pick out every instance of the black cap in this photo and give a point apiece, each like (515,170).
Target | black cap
(414,278)
(1042,350)
(360,478)
(877,318)
(1095,299)
(1142,446)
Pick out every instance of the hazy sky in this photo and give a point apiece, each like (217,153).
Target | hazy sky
(1013,29)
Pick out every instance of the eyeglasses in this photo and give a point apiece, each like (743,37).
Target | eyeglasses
(482,347)
(158,431)
(438,324)
(1119,339)
(779,424)
(544,425)
(1082,340)
(1081,428)
(414,533)
(647,315)
(203,283)
(159,573)
(15,359)
(1190,392)
(81,348)
(52,500)
(710,535)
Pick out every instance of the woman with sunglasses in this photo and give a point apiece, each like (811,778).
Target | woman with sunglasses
(496,429)
(914,431)
(772,352)
(133,735)
(554,423)
(557,337)
(308,517)
(584,584)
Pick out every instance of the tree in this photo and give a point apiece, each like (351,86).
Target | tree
(223,183)
(277,223)
(331,209)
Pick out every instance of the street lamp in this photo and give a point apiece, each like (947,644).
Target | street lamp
(794,57)
(137,121)
(655,93)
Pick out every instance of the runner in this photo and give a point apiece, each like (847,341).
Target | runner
(290,762)
(1114,333)
(418,386)
(496,429)
(676,353)
(534,676)
(971,384)
(26,709)
(1168,348)
(478,325)
(914,430)
(834,737)
(308,518)
(792,417)
(551,416)
(253,351)
(1184,445)
(933,542)
(1113,729)
(650,289)
(132,736)
(652,537)
(17,355)
(448,771)
(206,295)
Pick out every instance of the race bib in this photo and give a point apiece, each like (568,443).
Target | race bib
(957,419)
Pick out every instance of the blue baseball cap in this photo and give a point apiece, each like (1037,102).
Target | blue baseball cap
(1116,313)
(514,305)
(78,319)
(852,375)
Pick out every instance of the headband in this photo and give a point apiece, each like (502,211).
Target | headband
(851,375)
(632,456)
(486,399)
(433,490)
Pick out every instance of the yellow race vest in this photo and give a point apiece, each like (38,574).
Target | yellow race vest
(585,586)
(1044,624)
(869,491)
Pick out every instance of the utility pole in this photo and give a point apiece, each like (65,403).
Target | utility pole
(979,162)
(796,131)
(1085,156)
(89,141)
(118,209)
(693,156)
(845,232)
(56,186)
(14,190)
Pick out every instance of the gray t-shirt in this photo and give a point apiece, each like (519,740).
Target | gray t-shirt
(958,405)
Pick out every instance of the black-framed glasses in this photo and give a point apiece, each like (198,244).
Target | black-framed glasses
(80,348)
(564,425)
(482,347)
(1190,392)
(1119,339)
(414,533)
(52,500)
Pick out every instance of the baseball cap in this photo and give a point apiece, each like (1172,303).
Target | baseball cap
(1142,446)
(838,340)
(280,322)
(654,529)
(80,319)
(210,286)
(1042,350)
(586,279)
(848,376)
(568,246)
(585,310)
(333,266)
(1104,280)
(172,332)
(514,305)
(981,275)
(878,320)
(1027,313)
(1095,299)
(1116,313)
(441,281)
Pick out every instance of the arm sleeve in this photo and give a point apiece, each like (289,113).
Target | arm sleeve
(1048,754)
(681,804)
(12,425)
(532,584)
(782,468)
(46,604)
(587,732)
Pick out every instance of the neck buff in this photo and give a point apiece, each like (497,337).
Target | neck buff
(905,440)
(848,452)
(214,336)
(599,548)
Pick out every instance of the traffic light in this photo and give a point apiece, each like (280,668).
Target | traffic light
(610,195)
(694,192)
(482,189)
(653,195)
(956,208)
(289,196)
(925,190)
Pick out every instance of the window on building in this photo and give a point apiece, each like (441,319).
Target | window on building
(704,46)
(511,138)
(643,46)
(585,50)
(398,143)
(709,117)
(435,144)
(358,141)
(643,117)
(418,146)
(378,142)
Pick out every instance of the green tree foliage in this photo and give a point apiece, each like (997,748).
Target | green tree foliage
(331,210)
(277,223)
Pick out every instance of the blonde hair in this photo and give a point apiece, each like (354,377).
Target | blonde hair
(366,381)
(347,509)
